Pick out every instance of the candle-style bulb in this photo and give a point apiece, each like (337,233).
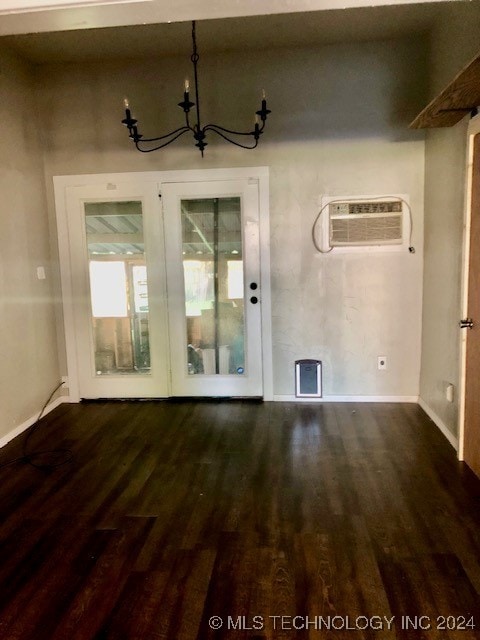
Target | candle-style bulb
(264,95)
(126,103)
(187,85)
(257,121)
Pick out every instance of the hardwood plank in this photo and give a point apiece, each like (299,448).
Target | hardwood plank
(98,593)
(50,590)
(173,512)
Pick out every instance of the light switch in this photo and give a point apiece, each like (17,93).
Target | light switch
(41,273)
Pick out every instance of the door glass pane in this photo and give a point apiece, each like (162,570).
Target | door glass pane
(214,289)
(118,287)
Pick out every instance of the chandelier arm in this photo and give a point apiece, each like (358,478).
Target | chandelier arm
(160,146)
(217,128)
(183,129)
(244,146)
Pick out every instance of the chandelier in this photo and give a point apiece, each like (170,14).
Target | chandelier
(146,145)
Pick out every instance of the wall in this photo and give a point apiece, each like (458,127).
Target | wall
(338,127)
(444,179)
(29,368)
(454,42)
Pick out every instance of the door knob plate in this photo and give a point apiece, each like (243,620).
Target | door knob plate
(466,324)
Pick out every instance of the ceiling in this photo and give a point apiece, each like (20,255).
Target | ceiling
(35,16)
(239,33)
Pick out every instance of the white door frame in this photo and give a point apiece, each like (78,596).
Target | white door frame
(473,129)
(61,183)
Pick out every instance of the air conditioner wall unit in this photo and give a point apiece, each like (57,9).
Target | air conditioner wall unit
(365,223)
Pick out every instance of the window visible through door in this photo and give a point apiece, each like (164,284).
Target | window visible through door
(118,287)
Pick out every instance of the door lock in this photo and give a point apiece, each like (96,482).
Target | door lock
(466,324)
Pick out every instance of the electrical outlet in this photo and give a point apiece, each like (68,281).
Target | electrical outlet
(382,363)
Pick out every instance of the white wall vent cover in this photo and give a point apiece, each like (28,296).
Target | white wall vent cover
(370,221)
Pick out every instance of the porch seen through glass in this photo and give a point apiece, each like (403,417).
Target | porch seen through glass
(214,285)
(118,287)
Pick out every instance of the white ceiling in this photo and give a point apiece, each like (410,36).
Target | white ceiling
(250,32)
(31,16)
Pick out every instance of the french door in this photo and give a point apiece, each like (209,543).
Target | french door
(213,284)
(118,290)
(165,294)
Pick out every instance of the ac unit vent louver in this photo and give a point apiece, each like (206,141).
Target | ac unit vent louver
(365,223)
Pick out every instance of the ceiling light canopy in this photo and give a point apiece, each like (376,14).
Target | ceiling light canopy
(244,139)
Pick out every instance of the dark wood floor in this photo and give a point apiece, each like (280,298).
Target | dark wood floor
(281,519)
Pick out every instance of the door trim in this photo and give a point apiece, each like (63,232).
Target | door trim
(472,131)
(61,183)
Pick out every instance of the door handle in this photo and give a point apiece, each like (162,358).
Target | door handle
(253,287)
(466,324)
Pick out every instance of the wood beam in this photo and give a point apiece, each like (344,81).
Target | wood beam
(459,98)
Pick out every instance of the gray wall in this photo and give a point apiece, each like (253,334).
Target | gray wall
(453,44)
(28,352)
(338,127)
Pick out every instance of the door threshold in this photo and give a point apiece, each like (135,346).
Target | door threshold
(92,400)
(255,399)
(179,399)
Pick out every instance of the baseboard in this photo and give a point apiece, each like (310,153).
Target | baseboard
(28,423)
(292,398)
(439,423)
